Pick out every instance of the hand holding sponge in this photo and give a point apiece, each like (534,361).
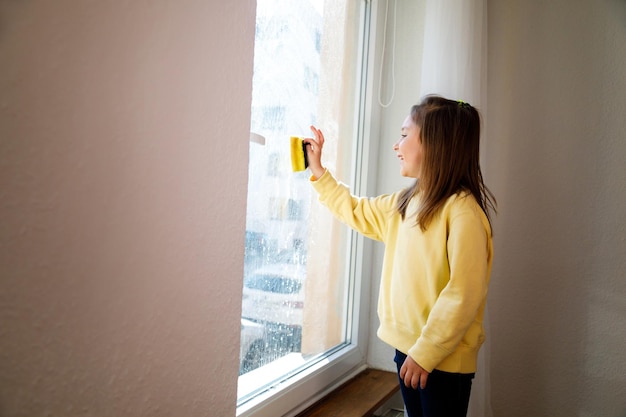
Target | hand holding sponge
(299,161)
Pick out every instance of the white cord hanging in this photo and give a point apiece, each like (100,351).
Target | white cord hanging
(393,57)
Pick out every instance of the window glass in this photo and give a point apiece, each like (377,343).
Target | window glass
(295,307)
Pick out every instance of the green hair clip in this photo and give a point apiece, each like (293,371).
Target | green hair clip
(463,104)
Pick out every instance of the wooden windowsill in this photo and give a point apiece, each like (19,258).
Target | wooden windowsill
(359,397)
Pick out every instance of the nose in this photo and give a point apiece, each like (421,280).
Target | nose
(395,146)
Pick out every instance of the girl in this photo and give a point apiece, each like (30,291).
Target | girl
(438,252)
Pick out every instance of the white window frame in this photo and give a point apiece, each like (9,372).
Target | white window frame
(296,393)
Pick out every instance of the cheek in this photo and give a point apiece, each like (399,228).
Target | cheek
(412,152)
(419,152)
(407,147)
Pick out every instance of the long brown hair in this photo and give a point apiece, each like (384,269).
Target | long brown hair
(450,135)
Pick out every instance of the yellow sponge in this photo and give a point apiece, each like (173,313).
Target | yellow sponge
(299,160)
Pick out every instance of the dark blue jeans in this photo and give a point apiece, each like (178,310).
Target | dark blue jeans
(446,394)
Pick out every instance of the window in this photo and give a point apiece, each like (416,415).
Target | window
(286,209)
(311,80)
(298,307)
(273,164)
(272,117)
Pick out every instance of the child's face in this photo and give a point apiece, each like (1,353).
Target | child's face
(409,149)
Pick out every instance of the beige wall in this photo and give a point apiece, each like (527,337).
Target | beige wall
(123,167)
(556,160)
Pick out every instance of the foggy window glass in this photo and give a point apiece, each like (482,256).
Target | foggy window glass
(295,298)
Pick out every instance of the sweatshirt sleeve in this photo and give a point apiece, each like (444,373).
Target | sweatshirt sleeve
(457,307)
(368,216)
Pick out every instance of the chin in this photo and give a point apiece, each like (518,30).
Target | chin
(405,174)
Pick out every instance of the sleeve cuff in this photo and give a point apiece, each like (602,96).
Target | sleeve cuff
(313,178)
(426,354)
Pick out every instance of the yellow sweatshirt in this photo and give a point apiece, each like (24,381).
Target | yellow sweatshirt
(433,286)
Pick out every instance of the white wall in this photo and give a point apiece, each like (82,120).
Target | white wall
(398,93)
(123,168)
